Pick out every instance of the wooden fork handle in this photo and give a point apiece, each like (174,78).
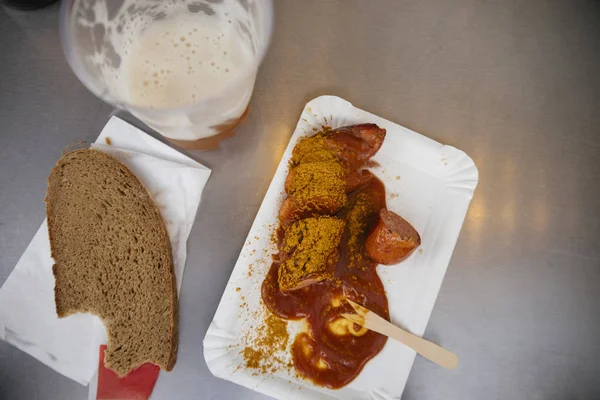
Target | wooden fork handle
(425,348)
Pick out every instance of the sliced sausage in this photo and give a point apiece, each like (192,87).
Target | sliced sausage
(356,144)
(392,239)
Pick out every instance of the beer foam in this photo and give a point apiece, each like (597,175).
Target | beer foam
(181,60)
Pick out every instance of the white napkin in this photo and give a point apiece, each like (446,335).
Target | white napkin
(28,317)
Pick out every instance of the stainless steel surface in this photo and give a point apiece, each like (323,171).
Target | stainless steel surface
(513,83)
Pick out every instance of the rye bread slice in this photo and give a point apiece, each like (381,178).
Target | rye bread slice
(113,258)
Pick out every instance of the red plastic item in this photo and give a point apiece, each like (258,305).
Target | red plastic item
(138,385)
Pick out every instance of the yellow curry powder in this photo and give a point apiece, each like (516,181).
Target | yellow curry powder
(266,353)
(313,149)
(312,243)
(320,184)
(357,220)
(317,180)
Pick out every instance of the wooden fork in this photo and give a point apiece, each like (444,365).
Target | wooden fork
(425,348)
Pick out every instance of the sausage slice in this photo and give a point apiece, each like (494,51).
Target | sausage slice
(392,239)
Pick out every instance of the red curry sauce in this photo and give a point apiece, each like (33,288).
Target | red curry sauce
(328,359)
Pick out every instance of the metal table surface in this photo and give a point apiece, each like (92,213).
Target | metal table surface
(515,84)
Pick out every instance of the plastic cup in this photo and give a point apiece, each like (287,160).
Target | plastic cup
(198,79)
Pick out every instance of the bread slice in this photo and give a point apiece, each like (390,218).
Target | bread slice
(113,258)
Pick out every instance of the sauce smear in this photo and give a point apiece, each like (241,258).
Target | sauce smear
(333,351)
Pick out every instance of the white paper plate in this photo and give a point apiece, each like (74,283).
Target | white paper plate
(429,184)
